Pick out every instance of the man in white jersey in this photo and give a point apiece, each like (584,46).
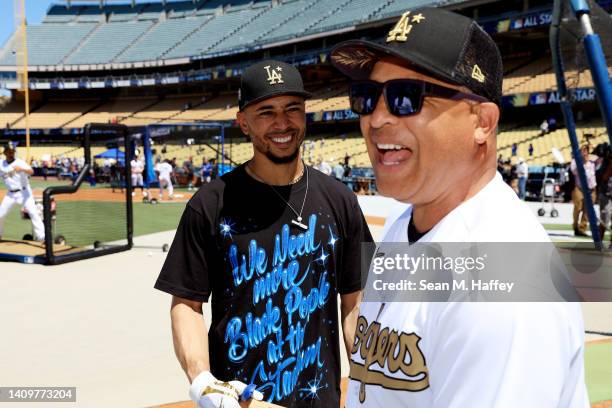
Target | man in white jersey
(14,172)
(428,100)
(137,168)
(164,175)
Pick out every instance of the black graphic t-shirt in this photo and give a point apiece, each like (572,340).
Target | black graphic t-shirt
(274,286)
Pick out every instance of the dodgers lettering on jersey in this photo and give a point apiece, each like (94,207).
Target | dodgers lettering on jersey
(459,354)
(12,179)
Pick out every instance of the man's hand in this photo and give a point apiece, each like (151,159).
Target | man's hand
(208,392)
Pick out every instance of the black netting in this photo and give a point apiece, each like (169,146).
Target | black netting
(576,68)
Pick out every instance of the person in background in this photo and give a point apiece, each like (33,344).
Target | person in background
(214,169)
(164,175)
(206,171)
(580,214)
(188,169)
(605,198)
(15,174)
(522,173)
(338,171)
(530,150)
(324,167)
(137,169)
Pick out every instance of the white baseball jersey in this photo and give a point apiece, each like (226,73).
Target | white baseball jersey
(14,180)
(453,354)
(164,169)
(137,166)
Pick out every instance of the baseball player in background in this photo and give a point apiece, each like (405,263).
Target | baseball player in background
(137,167)
(14,172)
(428,100)
(164,175)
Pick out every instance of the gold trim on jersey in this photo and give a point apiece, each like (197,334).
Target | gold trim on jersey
(390,349)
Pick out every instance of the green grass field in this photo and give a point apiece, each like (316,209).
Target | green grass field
(598,371)
(82,223)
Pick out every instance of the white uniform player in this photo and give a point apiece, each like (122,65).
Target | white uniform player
(458,354)
(429,113)
(137,168)
(164,170)
(14,172)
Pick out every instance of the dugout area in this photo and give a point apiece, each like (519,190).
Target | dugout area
(82,218)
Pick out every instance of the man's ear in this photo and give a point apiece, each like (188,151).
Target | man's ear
(488,119)
(242,122)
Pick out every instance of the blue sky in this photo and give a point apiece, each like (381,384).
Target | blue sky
(35,11)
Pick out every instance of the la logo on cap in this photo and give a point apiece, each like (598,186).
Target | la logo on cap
(274,75)
(404,26)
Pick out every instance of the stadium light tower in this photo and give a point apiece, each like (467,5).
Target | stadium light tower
(21,53)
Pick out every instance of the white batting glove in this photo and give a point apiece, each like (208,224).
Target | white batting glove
(208,392)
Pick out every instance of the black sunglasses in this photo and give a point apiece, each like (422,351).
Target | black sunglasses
(404,97)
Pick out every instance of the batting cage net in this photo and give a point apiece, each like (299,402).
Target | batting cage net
(93,215)
(578,79)
(576,67)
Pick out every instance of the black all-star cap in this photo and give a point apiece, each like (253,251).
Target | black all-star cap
(267,79)
(437,42)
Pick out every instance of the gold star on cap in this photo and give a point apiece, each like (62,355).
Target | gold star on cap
(418,18)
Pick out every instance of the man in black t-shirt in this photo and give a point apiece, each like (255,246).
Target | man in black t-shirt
(274,242)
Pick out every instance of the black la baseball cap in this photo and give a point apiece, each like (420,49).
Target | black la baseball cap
(440,43)
(267,79)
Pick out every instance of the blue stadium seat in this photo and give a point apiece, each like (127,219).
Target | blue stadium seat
(212,32)
(162,37)
(354,12)
(262,25)
(107,41)
(399,6)
(299,24)
(44,45)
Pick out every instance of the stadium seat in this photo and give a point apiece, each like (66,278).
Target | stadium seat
(162,37)
(44,44)
(211,33)
(106,41)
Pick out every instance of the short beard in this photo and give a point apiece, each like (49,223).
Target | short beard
(283,160)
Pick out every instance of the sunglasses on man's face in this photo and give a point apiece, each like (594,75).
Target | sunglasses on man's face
(404,97)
